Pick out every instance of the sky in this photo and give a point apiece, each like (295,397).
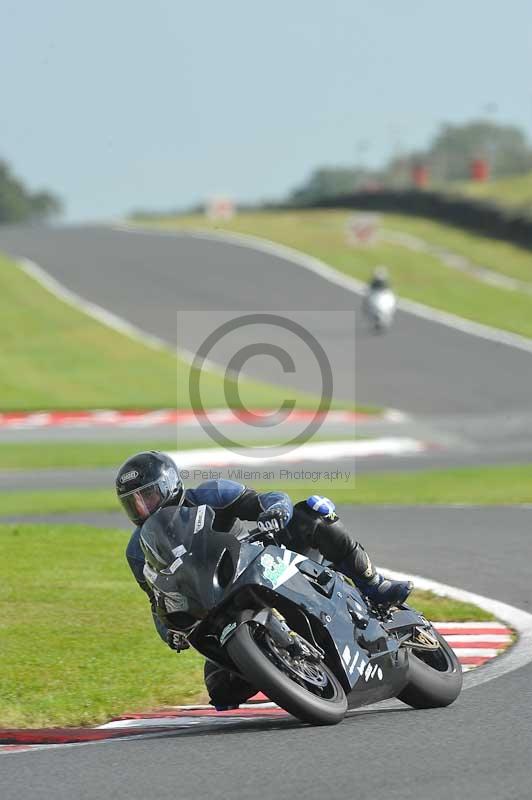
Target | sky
(122,104)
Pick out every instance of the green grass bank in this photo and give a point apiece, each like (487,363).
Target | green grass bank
(500,485)
(56,357)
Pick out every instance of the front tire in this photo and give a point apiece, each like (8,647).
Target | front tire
(434,677)
(321,701)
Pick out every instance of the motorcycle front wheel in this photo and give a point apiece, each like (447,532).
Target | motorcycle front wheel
(308,690)
(434,676)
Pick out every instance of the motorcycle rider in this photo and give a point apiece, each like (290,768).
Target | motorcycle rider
(149,482)
(379,302)
(380,280)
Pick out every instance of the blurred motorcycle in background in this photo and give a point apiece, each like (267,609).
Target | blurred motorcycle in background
(380,302)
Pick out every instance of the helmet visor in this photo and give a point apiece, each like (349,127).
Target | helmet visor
(140,503)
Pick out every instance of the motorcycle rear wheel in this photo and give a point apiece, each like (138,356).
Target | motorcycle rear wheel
(311,692)
(434,677)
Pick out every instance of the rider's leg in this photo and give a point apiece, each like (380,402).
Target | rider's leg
(226,690)
(380,589)
(315,524)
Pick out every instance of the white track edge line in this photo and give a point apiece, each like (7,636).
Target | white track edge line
(48,282)
(332,275)
(519,655)
(121,325)
(311,451)
(105,317)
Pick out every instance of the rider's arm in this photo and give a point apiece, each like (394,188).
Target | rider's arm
(135,559)
(252,504)
(231,500)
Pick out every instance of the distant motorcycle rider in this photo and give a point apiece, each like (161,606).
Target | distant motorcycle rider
(150,484)
(379,281)
(379,304)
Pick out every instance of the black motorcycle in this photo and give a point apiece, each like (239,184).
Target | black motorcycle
(296,629)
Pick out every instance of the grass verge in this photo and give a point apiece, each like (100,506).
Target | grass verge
(58,455)
(96,654)
(445,609)
(415,275)
(514,192)
(497,255)
(506,485)
(54,356)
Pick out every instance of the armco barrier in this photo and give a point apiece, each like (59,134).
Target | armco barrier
(477,216)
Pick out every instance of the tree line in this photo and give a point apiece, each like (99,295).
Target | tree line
(448,157)
(19,204)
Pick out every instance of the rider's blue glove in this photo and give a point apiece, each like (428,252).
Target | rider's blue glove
(323,506)
(273,519)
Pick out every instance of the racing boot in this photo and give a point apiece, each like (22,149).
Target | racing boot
(380,590)
(330,536)
(226,690)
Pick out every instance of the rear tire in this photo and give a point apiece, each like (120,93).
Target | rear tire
(266,672)
(434,677)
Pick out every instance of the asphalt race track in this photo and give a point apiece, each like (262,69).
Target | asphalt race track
(468,393)
(478,748)
(145,278)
